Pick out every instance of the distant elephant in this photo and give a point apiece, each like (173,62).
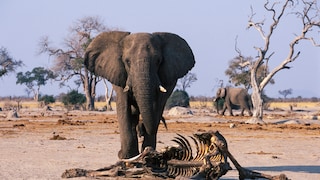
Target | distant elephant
(143,69)
(233,97)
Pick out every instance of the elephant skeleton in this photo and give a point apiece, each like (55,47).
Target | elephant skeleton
(180,161)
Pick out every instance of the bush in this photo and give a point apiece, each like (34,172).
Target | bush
(73,98)
(47,99)
(178,98)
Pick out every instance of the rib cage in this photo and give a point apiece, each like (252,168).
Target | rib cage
(187,160)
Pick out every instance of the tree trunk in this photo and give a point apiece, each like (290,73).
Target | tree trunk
(89,87)
(256,99)
(90,102)
(108,103)
(36,94)
(107,96)
(257,108)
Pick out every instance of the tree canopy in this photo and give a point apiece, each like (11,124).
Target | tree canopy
(239,73)
(285,92)
(35,79)
(7,63)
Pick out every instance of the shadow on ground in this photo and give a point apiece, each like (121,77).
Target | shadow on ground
(296,168)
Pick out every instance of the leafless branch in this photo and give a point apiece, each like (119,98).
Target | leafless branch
(242,63)
(237,49)
(313,42)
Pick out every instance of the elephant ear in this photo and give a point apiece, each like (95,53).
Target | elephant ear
(223,92)
(177,58)
(103,57)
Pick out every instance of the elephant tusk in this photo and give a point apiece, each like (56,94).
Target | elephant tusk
(132,159)
(126,89)
(145,152)
(162,89)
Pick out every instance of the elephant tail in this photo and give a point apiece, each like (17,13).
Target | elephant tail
(164,122)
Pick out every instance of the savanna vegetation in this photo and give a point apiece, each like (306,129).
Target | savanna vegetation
(250,71)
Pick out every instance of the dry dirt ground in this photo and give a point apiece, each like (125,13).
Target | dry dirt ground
(43,144)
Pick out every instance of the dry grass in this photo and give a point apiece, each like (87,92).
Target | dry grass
(294,104)
(272,105)
(193,104)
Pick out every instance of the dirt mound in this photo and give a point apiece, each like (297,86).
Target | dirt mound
(178,111)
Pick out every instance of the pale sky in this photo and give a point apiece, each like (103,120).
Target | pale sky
(209,27)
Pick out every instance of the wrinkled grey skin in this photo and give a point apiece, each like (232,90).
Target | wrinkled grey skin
(137,65)
(234,97)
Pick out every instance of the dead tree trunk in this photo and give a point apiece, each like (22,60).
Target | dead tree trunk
(89,86)
(108,96)
(256,99)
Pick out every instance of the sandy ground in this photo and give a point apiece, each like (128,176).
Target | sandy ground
(289,143)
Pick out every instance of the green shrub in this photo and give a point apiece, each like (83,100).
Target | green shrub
(47,99)
(73,98)
(178,98)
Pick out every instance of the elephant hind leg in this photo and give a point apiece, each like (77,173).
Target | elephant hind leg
(242,112)
(230,111)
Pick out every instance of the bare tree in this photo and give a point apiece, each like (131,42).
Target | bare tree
(310,18)
(186,81)
(108,95)
(7,63)
(68,62)
(285,92)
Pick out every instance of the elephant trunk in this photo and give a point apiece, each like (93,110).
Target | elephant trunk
(216,103)
(145,89)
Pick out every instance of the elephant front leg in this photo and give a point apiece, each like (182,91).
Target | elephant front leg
(242,112)
(149,140)
(127,127)
(224,109)
(128,135)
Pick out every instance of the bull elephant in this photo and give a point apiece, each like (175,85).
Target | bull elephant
(234,97)
(143,69)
